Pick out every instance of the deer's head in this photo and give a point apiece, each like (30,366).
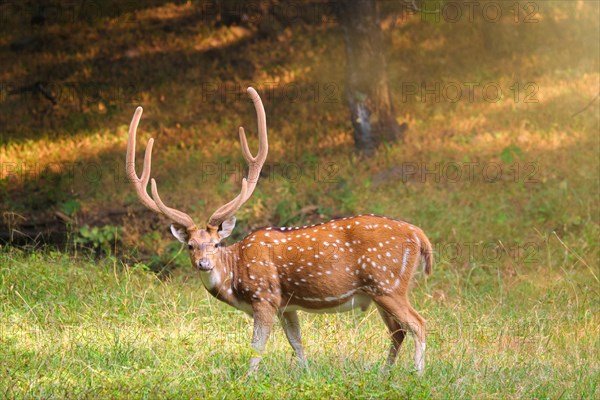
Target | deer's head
(202,242)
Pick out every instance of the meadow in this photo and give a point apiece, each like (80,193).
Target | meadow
(506,189)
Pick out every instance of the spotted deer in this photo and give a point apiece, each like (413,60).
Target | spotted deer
(333,266)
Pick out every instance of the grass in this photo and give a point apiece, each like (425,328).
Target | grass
(73,327)
(512,302)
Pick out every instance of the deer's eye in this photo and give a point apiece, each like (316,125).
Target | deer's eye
(190,247)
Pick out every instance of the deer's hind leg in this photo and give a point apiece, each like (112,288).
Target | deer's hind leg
(291,327)
(396,331)
(407,318)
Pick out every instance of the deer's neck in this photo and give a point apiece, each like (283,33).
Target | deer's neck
(219,280)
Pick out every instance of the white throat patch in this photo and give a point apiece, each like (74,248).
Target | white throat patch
(210,279)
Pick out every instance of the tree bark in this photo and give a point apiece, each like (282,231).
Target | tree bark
(367,92)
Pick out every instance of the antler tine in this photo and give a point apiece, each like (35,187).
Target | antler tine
(230,208)
(254,163)
(176,215)
(141,183)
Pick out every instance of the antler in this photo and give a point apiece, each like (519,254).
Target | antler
(140,184)
(254,164)
(224,212)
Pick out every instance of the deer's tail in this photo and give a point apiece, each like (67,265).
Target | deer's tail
(426,253)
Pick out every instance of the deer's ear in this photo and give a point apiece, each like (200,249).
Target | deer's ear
(180,233)
(226,228)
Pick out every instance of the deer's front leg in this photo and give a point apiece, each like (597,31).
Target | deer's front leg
(263,321)
(291,327)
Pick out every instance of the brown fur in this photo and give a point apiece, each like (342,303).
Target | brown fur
(320,267)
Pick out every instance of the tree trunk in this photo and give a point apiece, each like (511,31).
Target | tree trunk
(371,109)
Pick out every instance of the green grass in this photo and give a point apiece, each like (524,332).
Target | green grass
(75,327)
